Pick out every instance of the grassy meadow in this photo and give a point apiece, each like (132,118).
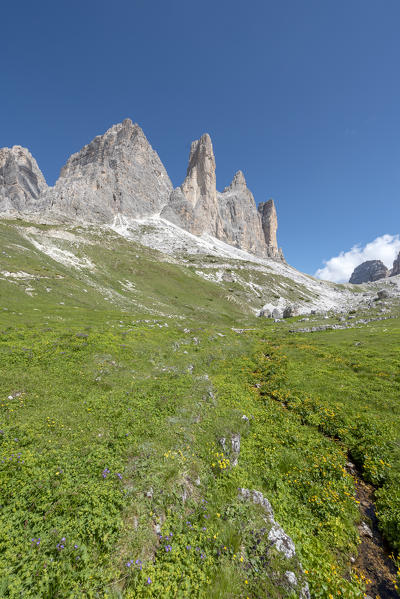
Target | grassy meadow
(114,482)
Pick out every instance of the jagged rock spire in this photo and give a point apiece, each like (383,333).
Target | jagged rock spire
(200,181)
(119,174)
(237,181)
(231,216)
(269,221)
(21,180)
(194,205)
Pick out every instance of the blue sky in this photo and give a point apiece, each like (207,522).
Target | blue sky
(303,96)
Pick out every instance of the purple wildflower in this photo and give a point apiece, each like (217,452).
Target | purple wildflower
(168,548)
(149,581)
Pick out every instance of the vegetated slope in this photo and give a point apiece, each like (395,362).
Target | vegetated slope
(157,268)
(115,401)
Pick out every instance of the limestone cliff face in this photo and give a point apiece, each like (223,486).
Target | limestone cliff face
(21,181)
(240,223)
(118,173)
(231,216)
(194,205)
(396,267)
(269,221)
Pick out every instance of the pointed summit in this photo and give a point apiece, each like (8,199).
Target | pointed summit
(200,178)
(116,173)
(21,180)
(194,205)
(237,181)
(230,216)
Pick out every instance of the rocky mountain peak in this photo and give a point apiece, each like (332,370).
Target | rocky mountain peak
(231,216)
(194,206)
(237,181)
(371,270)
(200,178)
(201,150)
(240,221)
(116,173)
(21,180)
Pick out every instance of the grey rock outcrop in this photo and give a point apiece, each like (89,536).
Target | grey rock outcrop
(383,294)
(21,181)
(269,222)
(265,312)
(240,224)
(276,313)
(230,216)
(279,540)
(117,173)
(289,311)
(371,270)
(193,206)
(396,267)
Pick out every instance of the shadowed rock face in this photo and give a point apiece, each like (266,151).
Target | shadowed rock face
(21,181)
(396,267)
(117,173)
(371,270)
(269,221)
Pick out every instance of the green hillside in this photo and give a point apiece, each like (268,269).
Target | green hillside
(122,370)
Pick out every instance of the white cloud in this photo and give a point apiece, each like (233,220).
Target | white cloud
(339,268)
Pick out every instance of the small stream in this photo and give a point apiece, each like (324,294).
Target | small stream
(373,559)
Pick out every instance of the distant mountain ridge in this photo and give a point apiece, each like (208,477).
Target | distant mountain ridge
(119,174)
